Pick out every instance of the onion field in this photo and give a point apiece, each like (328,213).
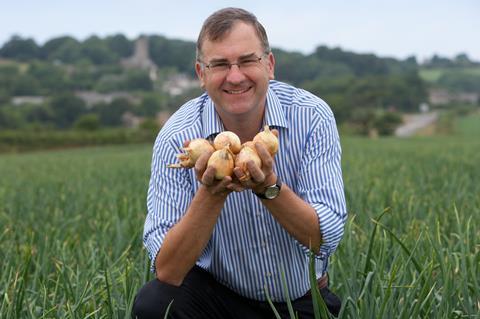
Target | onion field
(71,223)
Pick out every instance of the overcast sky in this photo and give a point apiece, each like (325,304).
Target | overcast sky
(386,28)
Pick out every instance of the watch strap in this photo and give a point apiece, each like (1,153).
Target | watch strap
(278,185)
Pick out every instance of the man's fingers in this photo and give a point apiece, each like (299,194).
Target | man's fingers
(201,165)
(265,157)
(239,173)
(208,177)
(236,187)
(256,174)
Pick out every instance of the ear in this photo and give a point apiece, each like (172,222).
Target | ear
(271,66)
(200,73)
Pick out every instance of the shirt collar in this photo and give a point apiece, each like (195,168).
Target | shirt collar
(274,115)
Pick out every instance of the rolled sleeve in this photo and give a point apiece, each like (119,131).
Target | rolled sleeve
(321,184)
(169,194)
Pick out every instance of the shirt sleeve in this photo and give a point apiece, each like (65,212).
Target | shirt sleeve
(321,184)
(169,194)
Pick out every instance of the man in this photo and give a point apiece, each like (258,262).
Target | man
(219,247)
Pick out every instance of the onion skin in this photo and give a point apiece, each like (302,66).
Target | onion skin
(246,154)
(227,138)
(268,139)
(223,162)
(193,151)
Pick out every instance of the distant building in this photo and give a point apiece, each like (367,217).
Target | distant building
(20,100)
(441,96)
(91,97)
(179,83)
(141,59)
(130,120)
(424,107)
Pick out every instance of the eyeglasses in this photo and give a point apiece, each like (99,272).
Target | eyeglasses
(244,64)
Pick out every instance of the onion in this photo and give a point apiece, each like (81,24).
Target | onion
(227,138)
(193,151)
(268,139)
(223,161)
(246,154)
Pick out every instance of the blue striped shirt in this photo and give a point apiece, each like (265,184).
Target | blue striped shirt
(249,250)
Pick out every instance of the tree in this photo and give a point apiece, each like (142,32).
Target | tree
(41,114)
(87,122)
(66,109)
(51,78)
(11,118)
(55,49)
(120,45)
(111,114)
(20,49)
(151,105)
(166,53)
(97,51)
(25,84)
(138,80)
(386,122)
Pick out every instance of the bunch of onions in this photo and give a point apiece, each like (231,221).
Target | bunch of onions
(268,139)
(193,151)
(247,153)
(228,152)
(222,161)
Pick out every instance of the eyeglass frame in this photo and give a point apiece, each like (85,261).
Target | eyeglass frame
(257,59)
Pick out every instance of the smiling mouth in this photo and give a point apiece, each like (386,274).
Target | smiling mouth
(234,92)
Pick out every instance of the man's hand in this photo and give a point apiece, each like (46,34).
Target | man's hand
(206,176)
(260,178)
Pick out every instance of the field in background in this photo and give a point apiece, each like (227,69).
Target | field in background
(71,225)
(434,74)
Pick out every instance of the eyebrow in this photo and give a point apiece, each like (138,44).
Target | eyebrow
(242,57)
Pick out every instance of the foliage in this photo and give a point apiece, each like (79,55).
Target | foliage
(87,122)
(66,109)
(348,94)
(119,44)
(386,122)
(111,114)
(38,139)
(65,49)
(460,61)
(20,49)
(168,52)
(152,104)
(138,80)
(346,80)
(460,81)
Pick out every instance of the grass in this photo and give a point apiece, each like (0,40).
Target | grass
(468,126)
(433,75)
(71,232)
(71,224)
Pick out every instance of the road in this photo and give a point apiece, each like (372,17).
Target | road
(412,123)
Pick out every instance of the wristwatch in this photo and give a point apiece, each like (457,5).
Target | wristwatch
(272,191)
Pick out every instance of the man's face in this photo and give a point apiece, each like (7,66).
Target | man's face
(236,91)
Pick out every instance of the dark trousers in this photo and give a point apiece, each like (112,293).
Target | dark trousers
(201,296)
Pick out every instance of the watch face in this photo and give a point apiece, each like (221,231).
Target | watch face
(272,192)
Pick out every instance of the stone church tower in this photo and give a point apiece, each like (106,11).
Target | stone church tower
(141,59)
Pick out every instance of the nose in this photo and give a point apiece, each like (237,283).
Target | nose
(235,75)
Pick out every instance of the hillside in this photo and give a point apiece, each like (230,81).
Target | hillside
(114,81)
